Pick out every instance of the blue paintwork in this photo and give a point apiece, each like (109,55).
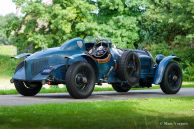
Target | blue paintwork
(161,68)
(50,57)
(23,55)
(52,64)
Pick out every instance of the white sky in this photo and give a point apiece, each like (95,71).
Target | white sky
(6,7)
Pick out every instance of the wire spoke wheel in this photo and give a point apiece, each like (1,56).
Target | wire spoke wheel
(172,79)
(80,80)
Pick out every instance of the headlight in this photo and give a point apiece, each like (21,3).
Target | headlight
(159,58)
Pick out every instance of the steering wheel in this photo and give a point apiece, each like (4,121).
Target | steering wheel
(100,49)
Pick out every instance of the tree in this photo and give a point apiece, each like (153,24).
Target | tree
(4,27)
(117,21)
(47,25)
(171,23)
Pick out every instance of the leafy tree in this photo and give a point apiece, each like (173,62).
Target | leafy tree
(117,21)
(48,25)
(4,27)
(169,22)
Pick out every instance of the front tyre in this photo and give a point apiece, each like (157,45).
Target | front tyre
(121,87)
(172,79)
(27,88)
(80,80)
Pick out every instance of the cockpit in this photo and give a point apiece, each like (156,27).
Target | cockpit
(99,48)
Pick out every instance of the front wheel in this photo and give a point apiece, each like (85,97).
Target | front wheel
(172,79)
(80,80)
(27,88)
(121,87)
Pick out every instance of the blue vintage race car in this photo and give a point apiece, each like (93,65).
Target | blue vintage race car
(80,64)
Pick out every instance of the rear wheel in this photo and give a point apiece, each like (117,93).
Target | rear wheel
(27,88)
(121,87)
(80,80)
(172,79)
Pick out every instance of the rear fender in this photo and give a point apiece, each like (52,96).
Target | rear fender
(161,68)
(59,71)
(75,58)
(93,63)
(84,58)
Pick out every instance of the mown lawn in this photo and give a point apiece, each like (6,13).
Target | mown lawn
(156,113)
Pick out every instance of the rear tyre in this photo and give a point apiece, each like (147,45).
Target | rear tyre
(27,88)
(80,80)
(172,79)
(121,87)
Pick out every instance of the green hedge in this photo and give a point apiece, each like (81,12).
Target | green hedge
(186,63)
(7,65)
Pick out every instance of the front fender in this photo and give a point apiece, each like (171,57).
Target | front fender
(159,73)
(23,55)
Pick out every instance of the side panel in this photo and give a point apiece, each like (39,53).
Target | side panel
(146,66)
(161,68)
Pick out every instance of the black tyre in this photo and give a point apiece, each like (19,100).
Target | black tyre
(172,79)
(27,88)
(121,87)
(129,67)
(80,80)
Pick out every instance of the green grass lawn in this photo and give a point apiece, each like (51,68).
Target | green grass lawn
(156,113)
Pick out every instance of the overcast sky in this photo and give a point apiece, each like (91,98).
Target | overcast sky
(7,6)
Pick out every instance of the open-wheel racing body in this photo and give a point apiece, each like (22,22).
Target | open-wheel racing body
(80,64)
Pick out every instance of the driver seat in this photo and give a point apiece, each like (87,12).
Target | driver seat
(103,60)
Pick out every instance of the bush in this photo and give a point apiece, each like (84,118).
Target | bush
(160,48)
(186,64)
(188,72)
(7,65)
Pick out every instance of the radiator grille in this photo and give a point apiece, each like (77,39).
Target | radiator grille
(38,65)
